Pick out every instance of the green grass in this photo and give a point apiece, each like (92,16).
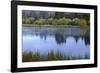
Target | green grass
(51,56)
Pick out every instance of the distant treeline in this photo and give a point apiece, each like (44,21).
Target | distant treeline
(52,14)
(55,18)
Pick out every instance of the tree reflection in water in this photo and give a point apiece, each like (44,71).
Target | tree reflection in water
(43,36)
(60,38)
(55,44)
(86,38)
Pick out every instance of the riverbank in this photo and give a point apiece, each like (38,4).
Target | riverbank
(51,56)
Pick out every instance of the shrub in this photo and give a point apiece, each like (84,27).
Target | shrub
(55,22)
(39,22)
(27,20)
(64,21)
(68,21)
(83,23)
(49,21)
(75,21)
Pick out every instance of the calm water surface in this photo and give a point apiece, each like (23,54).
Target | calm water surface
(70,41)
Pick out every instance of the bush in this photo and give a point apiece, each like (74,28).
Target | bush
(55,22)
(68,21)
(27,20)
(39,22)
(83,23)
(49,21)
(64,21)
(75,21)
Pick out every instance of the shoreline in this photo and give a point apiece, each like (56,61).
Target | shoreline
(31,25)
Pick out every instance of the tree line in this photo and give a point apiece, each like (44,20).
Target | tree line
(59,18)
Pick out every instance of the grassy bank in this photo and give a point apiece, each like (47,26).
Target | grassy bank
(51,56)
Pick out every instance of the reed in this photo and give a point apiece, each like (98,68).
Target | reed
(51,56)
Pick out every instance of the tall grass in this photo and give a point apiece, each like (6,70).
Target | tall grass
(51,56)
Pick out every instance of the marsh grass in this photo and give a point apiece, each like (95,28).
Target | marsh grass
(51,56)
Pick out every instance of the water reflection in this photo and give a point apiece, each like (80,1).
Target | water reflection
(56,43)
(60,38)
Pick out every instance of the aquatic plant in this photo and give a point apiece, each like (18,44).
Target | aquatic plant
(51,56)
